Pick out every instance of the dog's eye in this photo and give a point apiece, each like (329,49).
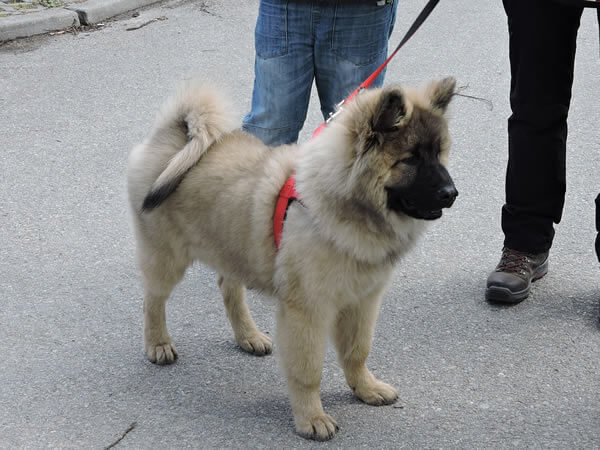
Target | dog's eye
(409,160)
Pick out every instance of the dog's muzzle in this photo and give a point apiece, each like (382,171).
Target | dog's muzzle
(431,192)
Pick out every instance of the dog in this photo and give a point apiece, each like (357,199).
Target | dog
(202,190)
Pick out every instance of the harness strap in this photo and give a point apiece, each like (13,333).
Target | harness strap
(286,196)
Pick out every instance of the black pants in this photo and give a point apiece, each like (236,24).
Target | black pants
(542,54)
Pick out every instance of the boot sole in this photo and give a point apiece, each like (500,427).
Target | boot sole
(496,294)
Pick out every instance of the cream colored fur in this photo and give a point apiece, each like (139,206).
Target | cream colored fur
(338,247)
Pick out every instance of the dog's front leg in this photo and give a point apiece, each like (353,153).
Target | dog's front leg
(353,335)
(301,336)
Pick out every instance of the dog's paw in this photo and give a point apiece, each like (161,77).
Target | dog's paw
(320,428)
(377,393)
(162,354)
(256,343)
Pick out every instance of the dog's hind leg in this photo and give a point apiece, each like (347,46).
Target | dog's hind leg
(159,281)
(353,335)
(247,335)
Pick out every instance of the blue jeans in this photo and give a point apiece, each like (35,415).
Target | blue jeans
(337,43)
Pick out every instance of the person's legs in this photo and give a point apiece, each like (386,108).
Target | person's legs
(542,52)
(283,71)
(351,42)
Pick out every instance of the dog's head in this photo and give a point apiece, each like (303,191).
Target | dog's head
(404,144)
(377,170)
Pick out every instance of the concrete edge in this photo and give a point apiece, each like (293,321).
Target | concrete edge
(88,13)
(26,25)
(95,11)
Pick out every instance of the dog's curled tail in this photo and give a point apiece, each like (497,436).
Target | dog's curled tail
(201,114)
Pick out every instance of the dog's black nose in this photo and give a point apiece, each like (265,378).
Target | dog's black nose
(447,195)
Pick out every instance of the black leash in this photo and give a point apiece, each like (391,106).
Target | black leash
(418,22)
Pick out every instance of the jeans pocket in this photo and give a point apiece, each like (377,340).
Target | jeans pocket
(270,34)
(361,31)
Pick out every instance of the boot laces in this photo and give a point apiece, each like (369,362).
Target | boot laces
(514,262)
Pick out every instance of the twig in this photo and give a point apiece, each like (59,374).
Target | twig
(137,27)
(131,427)
(484,100)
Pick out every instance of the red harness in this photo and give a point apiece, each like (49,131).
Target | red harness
(288,192)
(286,196)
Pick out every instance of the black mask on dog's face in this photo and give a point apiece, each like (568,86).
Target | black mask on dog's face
(432,190)
(413,138)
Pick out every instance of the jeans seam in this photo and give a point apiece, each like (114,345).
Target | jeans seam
(312,21)
(285,49)
(392,19)
(287,11)
(335,12)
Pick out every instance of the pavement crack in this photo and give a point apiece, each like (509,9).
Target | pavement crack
(129,428)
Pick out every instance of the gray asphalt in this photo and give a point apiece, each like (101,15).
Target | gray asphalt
(470,375)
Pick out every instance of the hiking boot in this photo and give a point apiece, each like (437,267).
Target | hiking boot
(511,281)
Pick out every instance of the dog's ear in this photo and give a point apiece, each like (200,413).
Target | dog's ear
(441,92)
(389,113)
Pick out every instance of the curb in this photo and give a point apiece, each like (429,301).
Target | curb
(88,13)
(94,11)
(37,23)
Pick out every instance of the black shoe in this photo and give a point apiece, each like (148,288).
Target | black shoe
(511,281)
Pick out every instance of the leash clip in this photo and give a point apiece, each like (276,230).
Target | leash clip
(339,106)
(336,112)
